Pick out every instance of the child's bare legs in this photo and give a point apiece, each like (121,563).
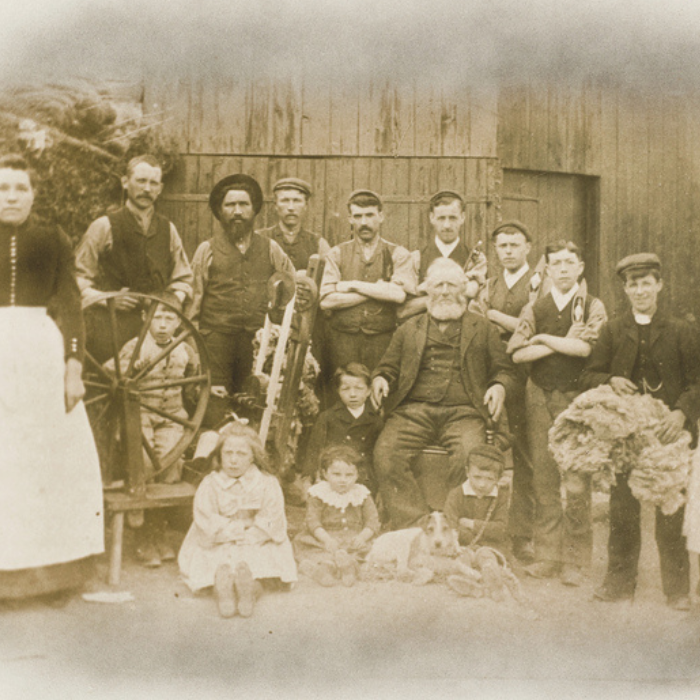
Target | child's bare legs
(224,591)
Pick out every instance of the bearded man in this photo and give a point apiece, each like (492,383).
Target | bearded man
(231,274)
(444,375)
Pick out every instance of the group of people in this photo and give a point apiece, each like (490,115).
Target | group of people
(424,348)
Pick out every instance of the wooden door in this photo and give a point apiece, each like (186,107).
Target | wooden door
(556,206)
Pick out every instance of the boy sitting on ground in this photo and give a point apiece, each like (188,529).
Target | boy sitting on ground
(478,510)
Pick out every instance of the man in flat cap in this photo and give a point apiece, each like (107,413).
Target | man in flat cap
(231,274)
(364,281)
(501,300)
(446,220)
(132,249)
(647,351)
(291,201)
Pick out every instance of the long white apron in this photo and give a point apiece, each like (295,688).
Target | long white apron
(691,524)
(51,508)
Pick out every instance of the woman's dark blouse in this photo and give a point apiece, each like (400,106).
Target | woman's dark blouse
(37,269)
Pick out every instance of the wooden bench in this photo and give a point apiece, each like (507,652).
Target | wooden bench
(117,503)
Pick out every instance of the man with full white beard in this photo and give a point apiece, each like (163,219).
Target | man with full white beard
(443,376)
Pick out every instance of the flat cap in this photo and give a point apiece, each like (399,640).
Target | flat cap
(239,181)
(512,226)
(638,261)
(490,452)
(293,183)
(449,194)
(369,194)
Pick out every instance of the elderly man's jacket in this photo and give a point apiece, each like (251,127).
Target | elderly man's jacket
(674,350)
(484,361)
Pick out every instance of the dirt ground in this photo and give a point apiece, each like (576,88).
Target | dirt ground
(377,639)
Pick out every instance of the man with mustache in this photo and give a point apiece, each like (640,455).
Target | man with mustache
(231,274)
(443,376)
(364,281)
(132,249)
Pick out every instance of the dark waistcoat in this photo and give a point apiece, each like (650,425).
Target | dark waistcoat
(431,252)
(439,378)
(557,371)
(236,295)
(143,263)
(371,316)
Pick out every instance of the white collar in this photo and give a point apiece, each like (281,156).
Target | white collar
(561,300)
(250,478)
(511,278)
(356,412)
(643,319)
(467,490)
(446,248)
(354,497)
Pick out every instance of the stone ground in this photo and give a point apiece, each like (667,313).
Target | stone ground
(377,639)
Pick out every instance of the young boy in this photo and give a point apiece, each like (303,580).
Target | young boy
(162,433)
(478,511)
(556,334)
(646,350)
(352,421)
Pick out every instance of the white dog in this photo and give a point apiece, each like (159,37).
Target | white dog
(417,551)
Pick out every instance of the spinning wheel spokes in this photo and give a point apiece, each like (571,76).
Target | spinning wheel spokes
(119,392)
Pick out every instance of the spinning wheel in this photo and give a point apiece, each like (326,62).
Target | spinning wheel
(119,390)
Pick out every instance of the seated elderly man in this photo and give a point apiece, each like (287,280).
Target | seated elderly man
(444,375)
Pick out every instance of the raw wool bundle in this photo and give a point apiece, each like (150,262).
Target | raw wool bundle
(602,433)
(307,404)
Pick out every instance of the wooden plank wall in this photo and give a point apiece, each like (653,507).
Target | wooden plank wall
(406,185)
(293,116)
(645,148)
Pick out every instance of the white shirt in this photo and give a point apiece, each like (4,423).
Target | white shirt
(561,300)
(356,412)
(510,278)
(467,490)
(642,319)
(446,248)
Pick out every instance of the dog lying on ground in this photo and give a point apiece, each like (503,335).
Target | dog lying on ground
(418,554)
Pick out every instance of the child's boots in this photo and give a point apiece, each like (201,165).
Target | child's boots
(347,567)
(245,587)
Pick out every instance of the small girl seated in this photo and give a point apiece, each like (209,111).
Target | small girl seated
(239,534)
(478,510)
(341,520)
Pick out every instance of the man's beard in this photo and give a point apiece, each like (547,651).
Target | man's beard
(236,230)
(447,309)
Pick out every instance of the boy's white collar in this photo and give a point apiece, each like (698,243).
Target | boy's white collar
(354,497)
(467,490)
(512,278)
(446,248)
(561,300)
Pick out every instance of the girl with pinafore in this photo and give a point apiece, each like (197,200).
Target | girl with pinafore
(238,539)
(341,520)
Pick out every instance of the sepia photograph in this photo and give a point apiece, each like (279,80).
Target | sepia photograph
(349,349)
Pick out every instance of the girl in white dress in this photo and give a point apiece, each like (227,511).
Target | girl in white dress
(239,533)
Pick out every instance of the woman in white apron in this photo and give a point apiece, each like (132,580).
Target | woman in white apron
(50,487)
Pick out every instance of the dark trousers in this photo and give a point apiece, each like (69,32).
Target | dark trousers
(563,530)
(521,514)
(625,542)
(231,358)
(356,347)
(410,428)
